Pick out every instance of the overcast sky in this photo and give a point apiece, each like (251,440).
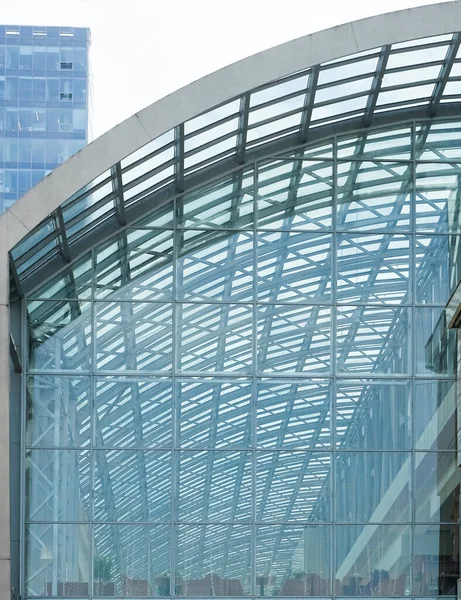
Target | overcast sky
(144,49)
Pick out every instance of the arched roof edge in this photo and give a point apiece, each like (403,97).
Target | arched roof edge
(212,90)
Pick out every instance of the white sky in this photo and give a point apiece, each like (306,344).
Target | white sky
(144,49)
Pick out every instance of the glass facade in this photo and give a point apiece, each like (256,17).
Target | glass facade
(251,391)
(44,87)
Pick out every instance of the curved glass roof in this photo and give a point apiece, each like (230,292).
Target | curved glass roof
(394,83)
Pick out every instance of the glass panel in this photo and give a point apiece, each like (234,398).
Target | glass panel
(133,336)
(210,135)
(293,415)
(215,337)
(439,140)
(373,268)
(148,167)
(210,154)
(59,335)
(373,340)
(279,89)
(373,486)
(435,415)
(295,194)
(131,560)
(214,560)
(221,112)
(213,414)
(277,109)
(436,560)
(435,345)
(57,560)
(293,486)
(403,95)
(219,269)
(132,485)
(74,281)
(373,195)
(417,56)
(373,415)
(431,268)
(294,339)
(135,265)
(57,485)
(391,143)
(373,560)
(58,412)
(227,203)
(294,267)
(214,486)
(437,481)
(160,216)
(153,146)
(293,560)
(132,412)
(438,197)
(329,74)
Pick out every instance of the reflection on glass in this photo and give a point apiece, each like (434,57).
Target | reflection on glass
(432,254)
(293,560)
(133,336)
(57,560)
(294,267)
(227,202)
(295,195)
(373,269)
(293,486)
(58,485)
(437,481)
(219,268)
(373,195)
(135,265)
(213,560)
(293,415)
(214,486)
(131,560)
(132,412)
(436,560)
(294,339)
(373,560)
(435,415)
(435,345)
(373,486)
(213,414)
(59,335)
(132,485)
(58,411)
(390,143)
(215,337)
(373,339)
(437,197)
(373,415)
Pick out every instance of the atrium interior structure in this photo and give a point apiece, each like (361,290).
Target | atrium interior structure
(233,346)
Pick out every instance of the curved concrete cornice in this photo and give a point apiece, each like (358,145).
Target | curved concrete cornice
(212,90)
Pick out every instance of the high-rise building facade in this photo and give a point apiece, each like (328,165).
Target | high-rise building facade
(44,88)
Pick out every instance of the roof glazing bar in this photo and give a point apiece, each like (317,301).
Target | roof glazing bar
(444,74)
(376,85)
(309,103)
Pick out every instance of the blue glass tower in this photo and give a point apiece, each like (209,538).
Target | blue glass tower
(44,89)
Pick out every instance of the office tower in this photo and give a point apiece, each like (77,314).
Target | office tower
(44,96)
